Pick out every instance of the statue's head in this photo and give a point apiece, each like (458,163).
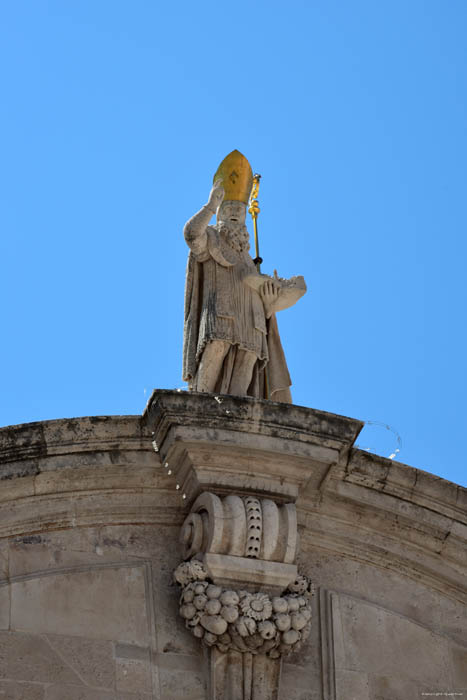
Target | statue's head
(231,212)
(237,180)
(231,224)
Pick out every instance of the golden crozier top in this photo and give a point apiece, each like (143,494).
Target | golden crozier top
(237,177)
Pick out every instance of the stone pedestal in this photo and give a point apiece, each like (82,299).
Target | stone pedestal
(240,465)
(229,444)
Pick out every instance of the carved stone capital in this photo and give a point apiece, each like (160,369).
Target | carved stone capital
(243,541)
(241,593)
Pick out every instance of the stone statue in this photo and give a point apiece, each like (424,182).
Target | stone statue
(231,339)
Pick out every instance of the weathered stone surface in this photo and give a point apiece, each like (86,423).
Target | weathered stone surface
(5,607)
(396,688)
(172,639)
(78,603)
(27,657)
(91,659)
(366,630)
(9,690)
(30,447)
(75,692)
(458,666)
(352,685)
(81,471)
(230,444)
(4,565)
(297,683)
(133,676)
(380,654)
(177,684)
(89,525)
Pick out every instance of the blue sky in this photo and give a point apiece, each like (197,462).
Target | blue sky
(114,117)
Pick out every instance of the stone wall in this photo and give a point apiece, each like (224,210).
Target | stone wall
(89,528)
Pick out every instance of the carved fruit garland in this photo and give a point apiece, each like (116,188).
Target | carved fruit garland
(240,620)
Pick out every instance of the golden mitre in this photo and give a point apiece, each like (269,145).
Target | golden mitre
(237,177)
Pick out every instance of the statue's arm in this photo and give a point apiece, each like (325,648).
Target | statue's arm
(195,230)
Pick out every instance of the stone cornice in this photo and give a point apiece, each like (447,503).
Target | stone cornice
(103,470)
(225,443)
(407,483)
(166,409)
(23,446)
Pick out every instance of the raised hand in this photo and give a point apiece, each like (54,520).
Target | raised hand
(216,196)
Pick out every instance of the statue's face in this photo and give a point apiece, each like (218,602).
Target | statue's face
(231,223)
(231,211)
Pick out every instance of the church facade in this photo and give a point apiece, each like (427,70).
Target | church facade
(225,547)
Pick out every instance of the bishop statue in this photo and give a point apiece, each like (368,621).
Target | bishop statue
(231,339)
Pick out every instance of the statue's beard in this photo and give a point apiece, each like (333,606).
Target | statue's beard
(236,234)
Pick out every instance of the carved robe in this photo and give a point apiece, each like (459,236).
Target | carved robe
(220,306)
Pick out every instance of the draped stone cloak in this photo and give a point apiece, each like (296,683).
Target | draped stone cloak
(220,306)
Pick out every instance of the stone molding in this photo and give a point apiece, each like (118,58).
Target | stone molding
(405,483)
(228,443)
(362,520)
(28,448)
(394,517)
(103,470)
(167,409)
(353,633)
